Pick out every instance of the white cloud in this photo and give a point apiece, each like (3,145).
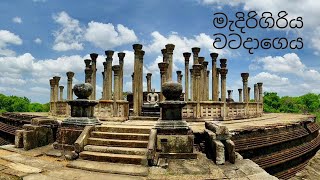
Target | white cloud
(72,34)
(17,20)
(107,36)
(69,36)
(7,38)
(270,80)
(39,0)
(37,41)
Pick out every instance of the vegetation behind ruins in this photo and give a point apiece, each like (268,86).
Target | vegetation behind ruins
(20,104)
(308,103)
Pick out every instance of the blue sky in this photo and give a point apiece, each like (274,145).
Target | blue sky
(43,38)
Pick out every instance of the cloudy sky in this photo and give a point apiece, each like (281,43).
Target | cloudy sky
(43,38)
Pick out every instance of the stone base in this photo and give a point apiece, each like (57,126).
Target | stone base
(175,143)
(66,137)
(80,121)
(172,127)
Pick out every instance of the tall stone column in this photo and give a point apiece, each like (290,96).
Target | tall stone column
(88,75)
(137,81)
(132,81)
(102,93)
(197,73)
(104,88)
(179,77)
(52,84)
(223,73)
(186,56)
(108,74)
(215,77)
(88,66)
(69,90)
(204,80)
(195,51)
(245,86)
(163,66)
(240,95)
(229,94)
(200,61)
(256,92)
(191,85)
(121,56)
(148,77)
(170,48)
(94,57)
(116,90)
(249,94)
(61,92)
(51,89)
(207,86)
(56,86)
(260,91)
(141,81)
(217,83)
(165,59)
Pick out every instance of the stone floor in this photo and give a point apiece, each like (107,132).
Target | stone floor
(35,164)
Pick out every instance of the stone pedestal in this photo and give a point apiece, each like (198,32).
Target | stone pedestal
(186,56)
(174,136)
(82,111)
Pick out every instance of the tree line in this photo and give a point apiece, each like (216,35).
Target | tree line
(21,104)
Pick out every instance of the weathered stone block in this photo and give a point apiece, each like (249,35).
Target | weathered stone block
(175,143)
(231,153)
(29,140)
(219,152)
(18,141)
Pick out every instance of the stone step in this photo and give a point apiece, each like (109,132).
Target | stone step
(124,136)
(107,167)
(117,143)
(123,129)
(143,118)
(114,158)
(116,150)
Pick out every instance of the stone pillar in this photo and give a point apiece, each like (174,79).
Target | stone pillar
(223,73)
(56,86)
(69,87)
(163,66)
(207,86)
(94,57)
(179,77)
(191,85)
(245,86)
(260,92)
(197,97)
(104,88)
(217,83)
(137,80)
(51,90)
(229,94)
(149,82)
(103,85)
(121,56)
(204,80)
(256,92)
(116,90)
(52,84)
(108,74)
(141,81)
(170,48)
(215,77)
(249,94)
(61,92)
(186,56)
(240,95)
(88,74)
(195,51)
(132,81)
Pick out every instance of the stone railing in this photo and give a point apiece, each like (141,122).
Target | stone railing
(209,110)
(63,108)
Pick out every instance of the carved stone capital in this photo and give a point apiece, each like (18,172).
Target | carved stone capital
(214,56)
(195,50)
(109,54)
(163,66)
(116,70)
(223,63)
(245,77)
(121,56)
(137,47)
(170,48)
(87,62)
(94,56)
(70,74)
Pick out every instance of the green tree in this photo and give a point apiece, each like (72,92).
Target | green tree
(271,102)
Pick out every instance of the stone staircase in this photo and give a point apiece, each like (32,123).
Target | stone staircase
(117,144)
